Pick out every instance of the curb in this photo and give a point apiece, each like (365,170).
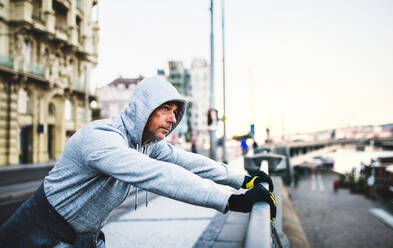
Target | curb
(292,226)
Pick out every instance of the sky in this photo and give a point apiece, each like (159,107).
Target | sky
(292,66)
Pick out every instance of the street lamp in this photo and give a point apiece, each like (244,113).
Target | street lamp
(212,132)
(224,153)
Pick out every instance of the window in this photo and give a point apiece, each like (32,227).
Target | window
(27,51)
(70,68)
(94,13)
(37,7)
(45,57)
(51,109)
(23,102)
(61,16)
(68,110)
(78,27)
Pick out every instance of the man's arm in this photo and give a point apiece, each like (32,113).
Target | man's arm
(198,164)
(107,153)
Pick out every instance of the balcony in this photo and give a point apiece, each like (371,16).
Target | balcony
(31,68)
(6,61)
(61,33)
(34,69)
(37,70)
(80,86)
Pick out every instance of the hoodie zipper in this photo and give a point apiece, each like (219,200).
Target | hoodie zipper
(144,152)
(136,188)
(141,149)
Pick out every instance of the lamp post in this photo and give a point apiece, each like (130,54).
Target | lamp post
(212,132)
(87,88)
(224,153)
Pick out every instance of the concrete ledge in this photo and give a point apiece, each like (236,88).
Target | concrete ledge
(15,174)
(259,228)
(16,195)
(18,191)
(291,224)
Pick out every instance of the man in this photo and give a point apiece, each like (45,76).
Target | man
(105,158)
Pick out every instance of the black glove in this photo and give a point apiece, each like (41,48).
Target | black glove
(244,202)
(261,177)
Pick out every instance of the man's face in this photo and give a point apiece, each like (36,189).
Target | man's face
(160,122)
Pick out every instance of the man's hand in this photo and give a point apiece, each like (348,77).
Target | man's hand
(244,202)
(261,177)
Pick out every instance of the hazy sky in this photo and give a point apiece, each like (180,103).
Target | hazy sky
(305,65)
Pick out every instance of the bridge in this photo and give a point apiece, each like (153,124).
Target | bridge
(298,148)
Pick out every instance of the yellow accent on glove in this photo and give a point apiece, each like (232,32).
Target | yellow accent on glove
(274,201)
(250,184)
(273,198)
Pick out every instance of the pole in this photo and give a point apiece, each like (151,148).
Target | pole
(212,133)
(86,95)
(224,152)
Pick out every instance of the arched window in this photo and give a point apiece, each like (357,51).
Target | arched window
(23,102)
(51,109)
(94,13)
(70,68)
(45,57)
(27,51)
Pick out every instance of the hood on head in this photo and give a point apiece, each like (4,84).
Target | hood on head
(149,94)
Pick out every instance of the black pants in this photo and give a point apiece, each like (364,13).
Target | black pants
(37,224)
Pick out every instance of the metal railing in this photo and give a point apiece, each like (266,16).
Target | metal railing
(6,61)
(78,85)
(36,69)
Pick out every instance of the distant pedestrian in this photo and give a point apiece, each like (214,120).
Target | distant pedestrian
(335,186)
(244,146)
(254,145)
(193,144)
(102,161)
(296,178)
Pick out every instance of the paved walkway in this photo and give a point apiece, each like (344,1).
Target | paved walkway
(169,223)
(337,219)
(164,223)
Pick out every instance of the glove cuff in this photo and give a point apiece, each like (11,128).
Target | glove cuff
(247,179)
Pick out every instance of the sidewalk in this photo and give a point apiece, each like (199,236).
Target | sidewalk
(169,223)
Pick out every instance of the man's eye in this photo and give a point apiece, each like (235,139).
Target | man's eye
(165,108)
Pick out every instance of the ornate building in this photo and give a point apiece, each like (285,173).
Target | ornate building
(47,50)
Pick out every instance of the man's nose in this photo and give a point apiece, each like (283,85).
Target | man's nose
(172,118)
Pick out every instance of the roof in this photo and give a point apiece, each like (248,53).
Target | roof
(126,81)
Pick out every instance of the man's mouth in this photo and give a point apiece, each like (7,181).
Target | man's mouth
(167,129)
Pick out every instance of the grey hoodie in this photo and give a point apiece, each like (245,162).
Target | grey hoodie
(101,162)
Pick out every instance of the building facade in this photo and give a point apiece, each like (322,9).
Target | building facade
(47,50)
(179,77)
(112,98)
(200,93)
